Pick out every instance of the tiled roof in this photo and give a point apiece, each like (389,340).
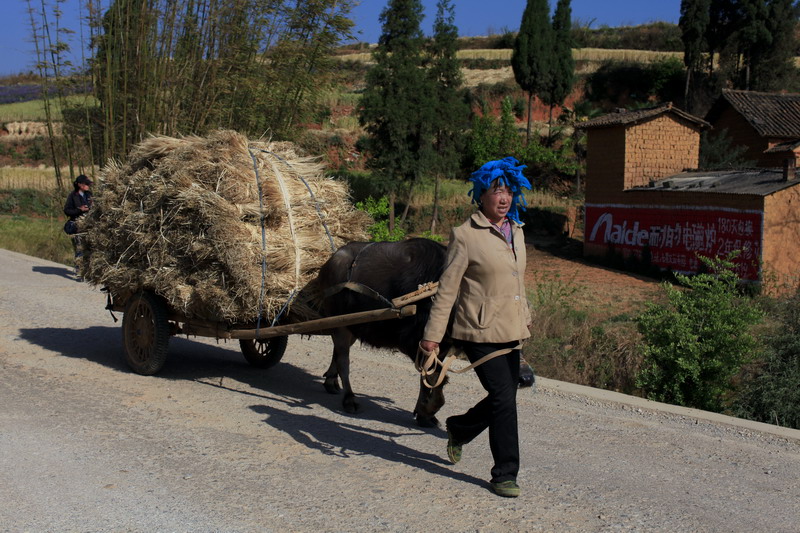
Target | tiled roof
(771,114)
(757,181)
(623,117)
(788,146)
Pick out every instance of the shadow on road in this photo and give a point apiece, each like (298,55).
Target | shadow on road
(346,440)
(97,343)
(221,366)
(64,272)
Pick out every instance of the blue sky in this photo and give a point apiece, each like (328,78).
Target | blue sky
(473,17)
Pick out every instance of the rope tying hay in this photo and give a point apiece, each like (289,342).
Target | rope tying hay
(184,217)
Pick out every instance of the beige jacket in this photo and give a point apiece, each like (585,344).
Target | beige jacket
(485,282)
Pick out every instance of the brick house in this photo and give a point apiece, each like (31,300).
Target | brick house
(758,121)
(645,198)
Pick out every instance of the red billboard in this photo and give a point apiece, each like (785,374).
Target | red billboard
(675,236)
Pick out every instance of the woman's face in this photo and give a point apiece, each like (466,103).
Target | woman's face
(495,202)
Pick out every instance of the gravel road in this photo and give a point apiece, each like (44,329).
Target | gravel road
(211,444)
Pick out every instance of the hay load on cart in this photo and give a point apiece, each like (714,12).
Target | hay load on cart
(218,231)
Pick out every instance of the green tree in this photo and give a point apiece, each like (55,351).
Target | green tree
(176,68)
(755,41)
(717,152)
(302,63)
(508,136)
(396,106)
(772,57)
(694,21)
(533,53)
(562,67)
(483,141)
(699,340)
(451,113)
(491,138)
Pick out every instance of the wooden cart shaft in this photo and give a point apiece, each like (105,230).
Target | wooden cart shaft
(202,328)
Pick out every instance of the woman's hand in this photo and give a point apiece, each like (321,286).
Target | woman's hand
(428,346)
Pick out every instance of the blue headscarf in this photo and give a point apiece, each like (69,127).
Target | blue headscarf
(509,173)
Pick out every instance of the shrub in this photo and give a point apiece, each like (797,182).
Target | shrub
(572,344)
(770,389)
(699,340)
(621,83)
(379,211)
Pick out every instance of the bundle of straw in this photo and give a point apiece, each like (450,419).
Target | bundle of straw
(222,228)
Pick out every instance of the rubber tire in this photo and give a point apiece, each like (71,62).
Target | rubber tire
(264,353)
(145,333)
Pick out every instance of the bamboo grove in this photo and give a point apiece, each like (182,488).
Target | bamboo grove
(177,68)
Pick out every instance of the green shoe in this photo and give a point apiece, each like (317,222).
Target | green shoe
(453,449)
(507,489)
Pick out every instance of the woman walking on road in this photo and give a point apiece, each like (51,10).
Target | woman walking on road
(484,281)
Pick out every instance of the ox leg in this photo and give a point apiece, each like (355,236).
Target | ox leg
(340,368)
(430,400)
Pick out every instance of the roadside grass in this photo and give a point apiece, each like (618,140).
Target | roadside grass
(38,237)
(573,340)
(33,110)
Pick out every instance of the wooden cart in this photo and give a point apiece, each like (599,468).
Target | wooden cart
(148,322)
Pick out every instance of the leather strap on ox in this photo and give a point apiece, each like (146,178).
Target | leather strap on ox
(428,362)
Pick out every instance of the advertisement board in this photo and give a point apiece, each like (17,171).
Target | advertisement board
(673,237)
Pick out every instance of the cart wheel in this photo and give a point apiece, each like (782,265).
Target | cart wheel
(264,353)
(145,333)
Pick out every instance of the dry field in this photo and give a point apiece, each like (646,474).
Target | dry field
(42,178)
(579,54)
(588,59)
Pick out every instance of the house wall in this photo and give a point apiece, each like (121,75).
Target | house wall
(622,157)
(670,229)
(659,148)
(741,133)
(781,254)
(605,163)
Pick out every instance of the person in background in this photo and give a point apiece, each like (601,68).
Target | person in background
(483,287)
(78,203)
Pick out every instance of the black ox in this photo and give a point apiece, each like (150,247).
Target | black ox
(391,269)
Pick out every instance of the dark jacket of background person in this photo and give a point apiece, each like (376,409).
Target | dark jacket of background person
(74,201)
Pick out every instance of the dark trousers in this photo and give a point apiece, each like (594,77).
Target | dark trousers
(497,411)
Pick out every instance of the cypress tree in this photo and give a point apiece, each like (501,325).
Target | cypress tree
(694,21)
(753,37)
(533,50)
(562,65)
(723,17)
(396,106)
(451,114)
